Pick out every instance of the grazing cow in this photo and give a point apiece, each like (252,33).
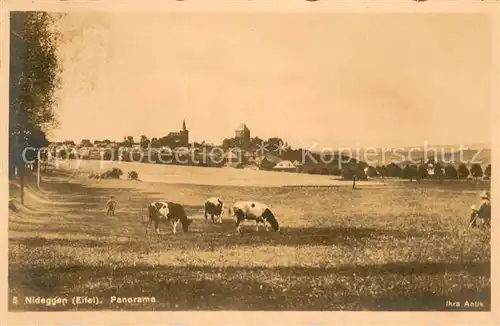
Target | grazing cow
(214,206)
(258,212)
(162,211)
(111,206)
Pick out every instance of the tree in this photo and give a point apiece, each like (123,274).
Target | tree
(33,78)
(128,141)
(36,138)
(86,143)
(382,171)
(450,172)
(476,171)
(487,172)
(360,174)
(144,141)
(362,165)
(394,170)
(276,146)
(463,171)
(438,171)
(422,171)
(69,143)
(350,171)
(371,172)
(168,142)
(230,143)
(410,172)
(256,143)
(293,155)
(155,143)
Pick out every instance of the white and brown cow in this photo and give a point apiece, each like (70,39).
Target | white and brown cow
(252,210)
(164,211)
(214,207)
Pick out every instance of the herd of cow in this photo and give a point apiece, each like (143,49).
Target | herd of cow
(174,213)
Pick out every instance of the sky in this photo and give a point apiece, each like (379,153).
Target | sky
(335,79)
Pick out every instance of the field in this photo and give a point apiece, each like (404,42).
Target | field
(178,174)
(398,246)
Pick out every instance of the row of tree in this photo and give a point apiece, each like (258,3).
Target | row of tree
(414,172)
(33,78)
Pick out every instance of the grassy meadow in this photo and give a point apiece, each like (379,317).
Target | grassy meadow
(399,246)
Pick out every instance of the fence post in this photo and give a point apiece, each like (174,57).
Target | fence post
(38,173)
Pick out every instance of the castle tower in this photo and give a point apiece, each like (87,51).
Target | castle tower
(243,134)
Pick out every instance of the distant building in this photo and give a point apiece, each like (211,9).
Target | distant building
(86,143)
(181,138)
(268,162)
(285,166)
(243,134)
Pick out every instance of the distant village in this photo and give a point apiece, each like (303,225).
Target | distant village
(240,151)
(244,152)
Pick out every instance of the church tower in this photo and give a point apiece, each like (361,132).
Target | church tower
(184,133)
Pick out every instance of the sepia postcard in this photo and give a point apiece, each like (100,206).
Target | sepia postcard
(250,163)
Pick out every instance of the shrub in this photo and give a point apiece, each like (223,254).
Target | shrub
(133,175)
(94,175)
(115,173)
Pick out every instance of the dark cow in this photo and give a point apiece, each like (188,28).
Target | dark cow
(214,207)
(258,212)
(162,211)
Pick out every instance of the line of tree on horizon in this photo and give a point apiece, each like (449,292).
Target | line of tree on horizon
(428,170)
(348,170)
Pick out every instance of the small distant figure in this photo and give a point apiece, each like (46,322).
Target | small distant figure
(111,206)
(483,212)
(353,181)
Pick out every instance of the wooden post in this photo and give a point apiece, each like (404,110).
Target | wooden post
(38,170)
(21,167)
(21,175)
